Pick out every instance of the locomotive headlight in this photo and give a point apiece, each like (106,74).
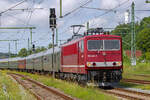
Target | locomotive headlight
(118,63)
(89,64)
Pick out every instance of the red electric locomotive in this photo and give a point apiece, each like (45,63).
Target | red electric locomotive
(93,57)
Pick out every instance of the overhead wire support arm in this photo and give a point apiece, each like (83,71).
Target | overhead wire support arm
(27,9)
(21,28)
(17,27)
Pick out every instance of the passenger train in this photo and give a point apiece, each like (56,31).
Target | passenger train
(94,57)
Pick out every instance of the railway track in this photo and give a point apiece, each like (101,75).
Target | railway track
(142,75)
(43,92)
(136,81)
(40,91)
(128,94)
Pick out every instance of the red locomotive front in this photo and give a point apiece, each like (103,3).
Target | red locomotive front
(103,58)
(95,58)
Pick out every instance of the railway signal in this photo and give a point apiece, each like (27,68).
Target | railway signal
(52,18)
(52,22)
(33,47)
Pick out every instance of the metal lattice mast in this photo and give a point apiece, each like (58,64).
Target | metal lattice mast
(133,45)
(9,43)
(22,28)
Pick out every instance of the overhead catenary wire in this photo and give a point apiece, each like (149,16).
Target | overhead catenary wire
(107,11)
(13,6)
(112,9)
(77,8)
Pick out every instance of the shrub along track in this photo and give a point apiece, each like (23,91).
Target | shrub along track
(40,91)
(128,94)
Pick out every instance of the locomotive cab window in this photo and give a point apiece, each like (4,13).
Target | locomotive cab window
(111,45)
(94,45)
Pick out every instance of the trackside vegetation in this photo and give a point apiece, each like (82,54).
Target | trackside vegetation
(132,72)
(70,88)
(10,90)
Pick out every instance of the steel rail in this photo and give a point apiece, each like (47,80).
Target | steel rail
(136,81)
(127,92)
(56,92)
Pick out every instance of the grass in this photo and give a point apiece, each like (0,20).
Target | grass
(140,68)
(10,90)
(70,88)
(131,72)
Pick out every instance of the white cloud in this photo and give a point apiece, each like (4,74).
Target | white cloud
(109,4)
(98,22)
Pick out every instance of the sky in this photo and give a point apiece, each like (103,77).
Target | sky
(37,16)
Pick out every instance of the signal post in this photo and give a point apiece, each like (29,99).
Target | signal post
(52,22)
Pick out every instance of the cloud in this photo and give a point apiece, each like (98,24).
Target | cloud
(98,22)
(109,4)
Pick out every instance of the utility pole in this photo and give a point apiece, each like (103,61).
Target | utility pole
(87,25)
(16,46)
(28,44)
(52,22)
(9,50)
(56,36)
(133,45)
(31,35)
(0,19)
(13,41)
(61,9)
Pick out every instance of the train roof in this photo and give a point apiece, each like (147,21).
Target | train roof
(10,59)
(103,35)
(50,51)
(14,59)
(43,53)
(90,36)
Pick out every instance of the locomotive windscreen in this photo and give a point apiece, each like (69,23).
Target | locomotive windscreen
(111,45)
(94,45)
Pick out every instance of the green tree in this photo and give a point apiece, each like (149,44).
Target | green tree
(143,40)
(23,52)
(50,45)
(39,49)
(145,23)
(123,30)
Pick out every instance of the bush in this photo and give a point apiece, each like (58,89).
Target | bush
(147,54)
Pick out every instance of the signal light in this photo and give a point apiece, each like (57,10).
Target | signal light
(52,18)
(33,47)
